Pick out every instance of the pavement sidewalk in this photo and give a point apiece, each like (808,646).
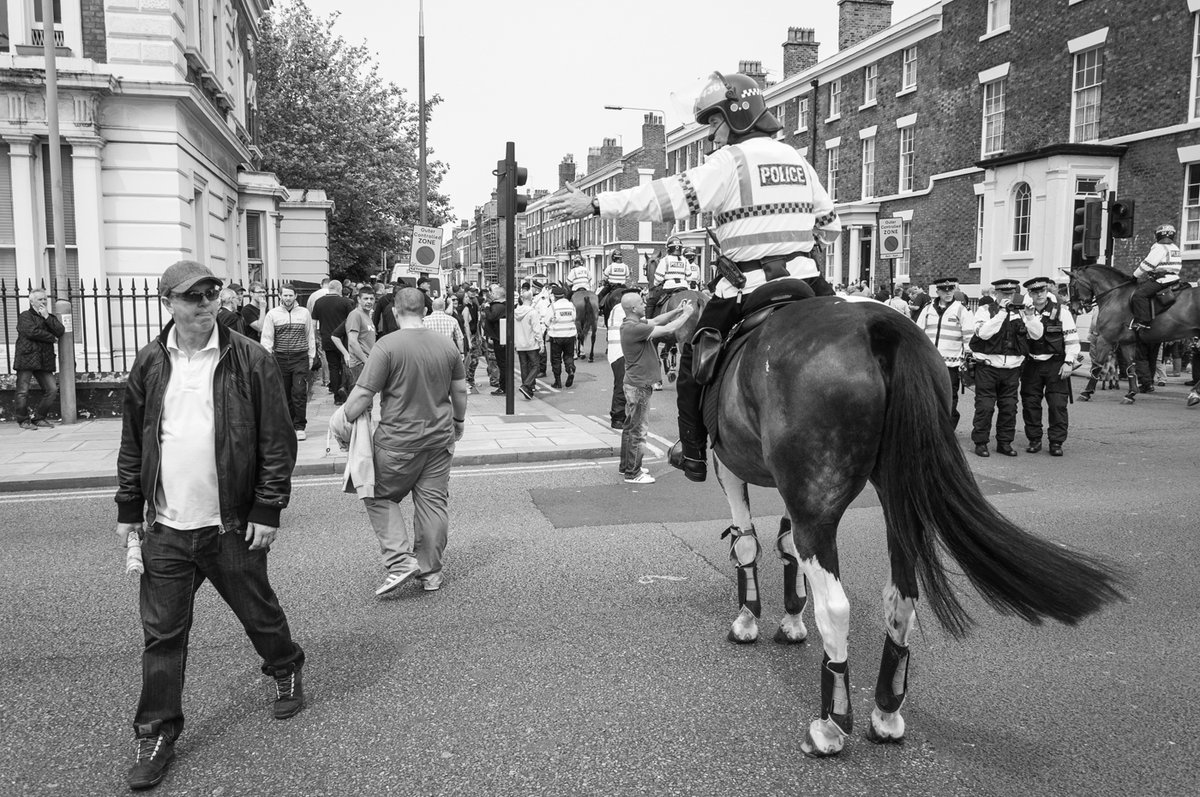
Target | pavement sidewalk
(85,454)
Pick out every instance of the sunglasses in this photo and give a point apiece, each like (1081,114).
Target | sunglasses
(196,297)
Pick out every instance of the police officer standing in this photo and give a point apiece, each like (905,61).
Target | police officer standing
(768,207)
(1046,374)
(692,256)
(949,325)
(1000,344)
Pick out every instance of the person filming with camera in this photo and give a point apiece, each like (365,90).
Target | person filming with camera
(999,347)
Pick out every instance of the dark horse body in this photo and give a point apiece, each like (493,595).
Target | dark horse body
(669,353)
(587,309)
(1109,291)
(825,396)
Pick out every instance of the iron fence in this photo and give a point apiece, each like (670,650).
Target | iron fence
(111,321)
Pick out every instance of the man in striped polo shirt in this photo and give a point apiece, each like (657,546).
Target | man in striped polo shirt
(287,333)
(949,325)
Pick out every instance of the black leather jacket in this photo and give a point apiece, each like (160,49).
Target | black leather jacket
(255,442)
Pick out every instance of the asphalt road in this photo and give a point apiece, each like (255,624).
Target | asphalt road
(578,645)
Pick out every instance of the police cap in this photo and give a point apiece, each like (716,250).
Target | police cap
(947,283)
(1005,284)
(1039,282)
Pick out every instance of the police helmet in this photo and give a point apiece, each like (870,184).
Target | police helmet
(674,246)
(690,253)
(739,100)
(1165,231)
(616,256)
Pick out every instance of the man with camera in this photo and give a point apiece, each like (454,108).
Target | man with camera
(1046,374)
(999,346)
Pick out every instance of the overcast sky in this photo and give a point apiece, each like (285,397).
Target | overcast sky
(539,72)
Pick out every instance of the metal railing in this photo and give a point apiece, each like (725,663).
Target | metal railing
(111,321)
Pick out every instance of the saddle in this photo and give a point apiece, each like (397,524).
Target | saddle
(1166,296)
(708,346)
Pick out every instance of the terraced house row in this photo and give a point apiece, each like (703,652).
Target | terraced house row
(981,125)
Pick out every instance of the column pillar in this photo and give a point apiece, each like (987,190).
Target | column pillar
(86,156)
(855,254)
(31,265)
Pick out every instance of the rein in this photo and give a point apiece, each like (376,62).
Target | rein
(1096,297)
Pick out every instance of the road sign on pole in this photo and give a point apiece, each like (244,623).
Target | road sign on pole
(426,247)
(891,239)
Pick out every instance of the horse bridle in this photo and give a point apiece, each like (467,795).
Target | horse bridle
(1086,307)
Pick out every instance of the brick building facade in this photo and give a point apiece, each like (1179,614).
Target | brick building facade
(983,125)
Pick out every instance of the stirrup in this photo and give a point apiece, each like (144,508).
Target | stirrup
(694,469)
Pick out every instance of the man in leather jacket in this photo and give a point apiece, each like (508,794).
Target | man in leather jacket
(207,451)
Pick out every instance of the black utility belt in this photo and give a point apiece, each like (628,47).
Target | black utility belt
(768,263)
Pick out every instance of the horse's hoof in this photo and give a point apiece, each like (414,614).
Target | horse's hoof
(591,360)
(742,639)
(790,632)
(823,739)
(885,728)
(1193,399)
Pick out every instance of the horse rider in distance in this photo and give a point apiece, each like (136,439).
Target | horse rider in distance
(1158,271)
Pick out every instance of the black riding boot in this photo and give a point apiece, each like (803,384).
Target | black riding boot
(1140,303)
(689,453)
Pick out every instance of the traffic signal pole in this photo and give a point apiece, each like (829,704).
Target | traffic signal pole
(510,274)
(1108,236)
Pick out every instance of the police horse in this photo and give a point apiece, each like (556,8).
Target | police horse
(1109,291)
(587,309)
(669,353)
(822,397)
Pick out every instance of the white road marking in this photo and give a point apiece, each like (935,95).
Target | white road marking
(649,579)
(544,385)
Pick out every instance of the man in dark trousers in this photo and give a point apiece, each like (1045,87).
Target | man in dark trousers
(494,317)
(330,312)
(999,346)
(38,331)
(197,399)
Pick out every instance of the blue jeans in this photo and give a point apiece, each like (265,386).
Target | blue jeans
(49,385)
(177,563)
(637,424)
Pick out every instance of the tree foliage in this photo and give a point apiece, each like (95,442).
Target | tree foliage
(328,120)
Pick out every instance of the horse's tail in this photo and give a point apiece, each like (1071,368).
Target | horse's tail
(929,496)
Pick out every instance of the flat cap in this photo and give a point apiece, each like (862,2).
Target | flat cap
(182,276)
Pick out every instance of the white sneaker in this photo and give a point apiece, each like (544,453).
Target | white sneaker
(641,478)
(397,577)
(300,435)
(432,582)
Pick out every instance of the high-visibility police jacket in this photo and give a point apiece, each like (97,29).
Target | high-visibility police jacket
(579,277)
(949,330)
(1000,339)
(1052,333)
(562,319)
(693,273)
(765,197)
(671,273)
(1163,261)
(617,272)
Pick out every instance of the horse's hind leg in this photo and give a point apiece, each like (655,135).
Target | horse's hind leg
(743,551)
(899,612)
(791,629)
(827,736)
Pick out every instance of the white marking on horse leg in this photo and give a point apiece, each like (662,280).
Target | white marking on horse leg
(830,608)
(743,552)
(899,614)
(791,628)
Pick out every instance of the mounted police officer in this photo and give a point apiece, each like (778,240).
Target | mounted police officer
(1046,373)
(769,209)
(1000,344)
(692,256)
(1159,270)
(616,277)
(669,276)
(949,325)
(579,277)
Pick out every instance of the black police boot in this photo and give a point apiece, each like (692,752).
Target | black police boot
(690,459)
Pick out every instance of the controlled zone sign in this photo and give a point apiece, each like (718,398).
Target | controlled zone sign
(426,247)
(891,239)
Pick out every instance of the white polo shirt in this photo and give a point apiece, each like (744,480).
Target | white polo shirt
(186,496)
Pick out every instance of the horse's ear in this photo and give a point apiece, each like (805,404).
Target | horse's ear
(1068,272)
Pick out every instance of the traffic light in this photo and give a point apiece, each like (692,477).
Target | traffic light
(510,176)
(1088,230)
(1120,218)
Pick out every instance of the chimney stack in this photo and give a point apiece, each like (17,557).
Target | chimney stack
(593,159)
(653,132)
(861,19)
(754,70)
(566,170)
(799,51)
